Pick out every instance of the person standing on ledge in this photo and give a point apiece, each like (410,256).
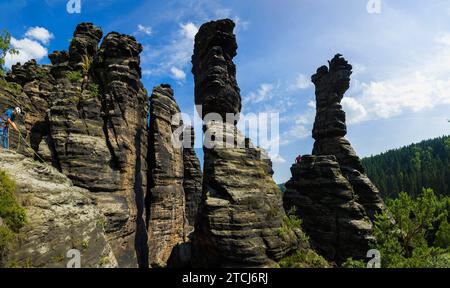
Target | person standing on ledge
(298,159)
(8,118)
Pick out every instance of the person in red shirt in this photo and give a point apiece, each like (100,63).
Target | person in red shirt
(298,159)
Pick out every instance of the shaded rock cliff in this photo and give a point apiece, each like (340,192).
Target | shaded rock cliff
(86,114)
(166,216)
(192,181)
(325,201)
(241,210)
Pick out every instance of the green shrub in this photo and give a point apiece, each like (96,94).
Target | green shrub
(350,263)
(11,212)
(94,89)
(443,235)
(86,64)
(11,87)
(404,243)
(304,258)
(74,76)
(291,224)
(12,215)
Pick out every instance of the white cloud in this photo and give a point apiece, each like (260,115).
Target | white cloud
(27,49)
(178,74)
(312,104)
(277,158)
(40,34)
(443,39)
(263,93)
(423,84)
(294,133)
(355,111)
(30,47)
(144,29)
(172,58)
(301,82)
(189,30)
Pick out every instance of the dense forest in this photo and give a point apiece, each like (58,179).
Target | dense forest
(411,168)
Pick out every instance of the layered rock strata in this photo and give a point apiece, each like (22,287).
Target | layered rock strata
(166,216)
(241,212)
(86,114)
(329,190)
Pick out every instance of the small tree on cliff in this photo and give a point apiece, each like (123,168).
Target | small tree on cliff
(5,49)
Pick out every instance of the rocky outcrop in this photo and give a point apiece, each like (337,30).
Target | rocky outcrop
(60,217)
(325,201)
(166,217)
(192,181)
(241,210)
(330,128)
(216,88)
(87,115)
(329,191)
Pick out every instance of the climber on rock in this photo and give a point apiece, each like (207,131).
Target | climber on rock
(298,159)
(8,118)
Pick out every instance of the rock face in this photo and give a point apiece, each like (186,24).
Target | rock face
(329,190)
(87,115)
(166,217)
(241,210)
(192,181)
(330,128)
(325,201)
(60,217)
(216,88)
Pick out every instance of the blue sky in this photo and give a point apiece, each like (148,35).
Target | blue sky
(400,87)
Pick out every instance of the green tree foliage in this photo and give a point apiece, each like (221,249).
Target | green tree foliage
(304,256)
(415,232)
(426,164)
(12,215)
(5,48)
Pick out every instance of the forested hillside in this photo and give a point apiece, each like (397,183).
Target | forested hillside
(411,168)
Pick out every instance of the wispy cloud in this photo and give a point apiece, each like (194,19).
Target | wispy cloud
(147,30)
(301,82)
(177,74)
(172,58)
(424,84)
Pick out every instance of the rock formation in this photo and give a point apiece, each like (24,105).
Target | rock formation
(329,190)
(60,217)
(330,128)
(325,201)
(241,210)
(192,181)
(166,217)
(87,115)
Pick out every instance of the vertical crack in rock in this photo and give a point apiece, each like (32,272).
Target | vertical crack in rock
(166,217)
(192,181)
(241,211)
(329,190)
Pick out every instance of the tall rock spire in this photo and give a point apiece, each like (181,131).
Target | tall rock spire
(241,211)
(330,130)
(329,190)
(166,217)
